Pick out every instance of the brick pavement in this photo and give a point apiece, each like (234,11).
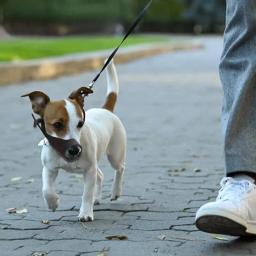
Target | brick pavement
(170,105)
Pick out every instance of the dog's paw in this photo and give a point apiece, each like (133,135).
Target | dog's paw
(85,218)
(116,193)
(97,201)
(52,201)
(114,197)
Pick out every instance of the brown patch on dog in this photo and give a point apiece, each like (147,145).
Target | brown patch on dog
(80,94)
(39,101)
(79,110)
(56,112)
(110,101)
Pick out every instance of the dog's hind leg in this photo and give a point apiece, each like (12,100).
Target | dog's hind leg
(116,154)
(117,161)
(118,184)
(100,178)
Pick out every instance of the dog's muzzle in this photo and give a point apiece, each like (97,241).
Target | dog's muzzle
(70,149)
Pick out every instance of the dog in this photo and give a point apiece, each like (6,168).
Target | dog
(97,131)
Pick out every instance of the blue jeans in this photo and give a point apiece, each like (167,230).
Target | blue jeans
(238,77)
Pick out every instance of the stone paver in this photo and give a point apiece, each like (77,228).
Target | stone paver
(170,105)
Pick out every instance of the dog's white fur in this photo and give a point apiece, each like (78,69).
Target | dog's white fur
(102,133)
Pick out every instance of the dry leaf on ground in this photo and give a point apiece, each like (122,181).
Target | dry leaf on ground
(102,254)
(39,254)
(14,179)
(222,238)
(11,210)
(15,210)
(22,210)
(117,237)
(46,222)
(162,237)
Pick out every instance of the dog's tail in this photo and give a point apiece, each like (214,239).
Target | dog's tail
(113,87)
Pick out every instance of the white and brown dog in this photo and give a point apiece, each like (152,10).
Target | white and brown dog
(101,133)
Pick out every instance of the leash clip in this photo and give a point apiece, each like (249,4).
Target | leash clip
(90,86)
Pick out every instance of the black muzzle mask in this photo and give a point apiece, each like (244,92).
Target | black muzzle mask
(70,150)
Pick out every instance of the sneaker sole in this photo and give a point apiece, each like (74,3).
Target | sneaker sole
(220,221)
(221,225)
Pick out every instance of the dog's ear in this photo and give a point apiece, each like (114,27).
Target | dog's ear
(80,94)
(39,100)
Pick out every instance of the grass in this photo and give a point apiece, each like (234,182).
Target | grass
(25,48)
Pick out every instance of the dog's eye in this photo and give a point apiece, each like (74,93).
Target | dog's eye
(58,125)
(80,124)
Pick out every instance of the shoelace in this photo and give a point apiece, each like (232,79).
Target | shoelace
(234,189)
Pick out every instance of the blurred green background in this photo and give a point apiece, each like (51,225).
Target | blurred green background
(31,29)
(62,17)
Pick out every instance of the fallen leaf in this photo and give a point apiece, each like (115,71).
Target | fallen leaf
(162,237)
(39,254)
(15,210)
(22,210)
(14,179)
(185,209)
(11,210)
(102,254)
(46,222)
(117,237)
(222,238)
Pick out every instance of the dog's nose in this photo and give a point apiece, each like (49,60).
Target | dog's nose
(74,150)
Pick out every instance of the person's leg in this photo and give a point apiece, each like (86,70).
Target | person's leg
(234,211)
(238,77)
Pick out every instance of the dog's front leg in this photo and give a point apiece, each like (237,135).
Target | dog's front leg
(86,210)
(49,194)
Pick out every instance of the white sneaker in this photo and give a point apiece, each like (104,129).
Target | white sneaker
(234,211)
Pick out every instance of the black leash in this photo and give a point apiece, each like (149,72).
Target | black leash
(62,146)
(133,26)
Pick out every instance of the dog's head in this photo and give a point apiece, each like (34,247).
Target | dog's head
(62,119)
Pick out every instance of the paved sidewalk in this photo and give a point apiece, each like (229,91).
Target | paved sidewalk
(170,105)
